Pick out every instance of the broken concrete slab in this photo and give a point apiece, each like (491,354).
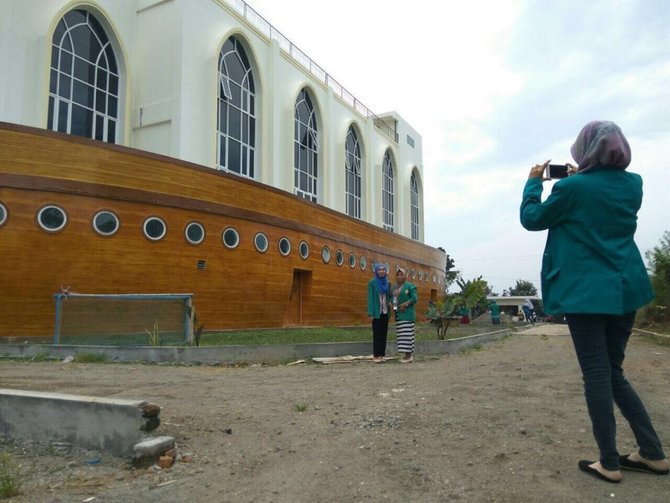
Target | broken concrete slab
(112,425)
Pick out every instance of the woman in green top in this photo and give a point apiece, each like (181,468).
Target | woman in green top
(592,271)
(404,300)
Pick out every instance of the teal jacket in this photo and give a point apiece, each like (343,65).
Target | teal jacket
(374,310)
(407,295)
(591,263)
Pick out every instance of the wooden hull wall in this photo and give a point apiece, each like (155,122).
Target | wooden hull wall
(238,288)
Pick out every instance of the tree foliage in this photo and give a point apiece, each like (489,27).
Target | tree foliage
(442,312)
(523,288)
(658,259)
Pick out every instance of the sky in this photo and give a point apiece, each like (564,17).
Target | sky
(495,87)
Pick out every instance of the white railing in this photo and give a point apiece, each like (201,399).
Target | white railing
(258,22)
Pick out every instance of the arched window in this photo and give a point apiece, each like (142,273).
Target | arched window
(387,193)
(306,148)
(84,80)
(236,121)
(352,163)
(414,206)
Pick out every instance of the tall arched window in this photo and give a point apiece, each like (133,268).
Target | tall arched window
(352,162)
(84,80)
(236,122)
(306,148)
(414,206)
(387,193)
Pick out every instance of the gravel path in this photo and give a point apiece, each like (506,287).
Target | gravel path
(503,423)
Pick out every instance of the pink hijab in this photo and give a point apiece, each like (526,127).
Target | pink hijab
(601,143)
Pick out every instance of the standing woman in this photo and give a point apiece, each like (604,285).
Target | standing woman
(592,271)
(404,299)
(378,309)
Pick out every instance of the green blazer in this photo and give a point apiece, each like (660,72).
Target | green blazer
(591,263)
(407,296)
(373,300)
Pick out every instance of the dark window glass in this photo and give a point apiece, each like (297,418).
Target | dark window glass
(82,121)
(111,131)
(261,242)
(284,246)
(82,94)
(100,101)
(195,233)
(86,44)
(234,156)
(52,218)
(62,116)
(112,104)
(105,222)
(64,83)
(339,257)
(3,214)
(114,85)
(231,238)
(50,121)
(154,228)
(99,127)
(89,59)
(84,71)
(236,121)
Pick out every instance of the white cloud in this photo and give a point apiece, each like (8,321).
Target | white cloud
(495,87)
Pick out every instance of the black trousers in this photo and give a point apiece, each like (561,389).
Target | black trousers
(380,329)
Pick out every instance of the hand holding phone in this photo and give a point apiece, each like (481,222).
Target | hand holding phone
(556,171)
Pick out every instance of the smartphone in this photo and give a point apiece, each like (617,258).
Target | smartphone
(557,171)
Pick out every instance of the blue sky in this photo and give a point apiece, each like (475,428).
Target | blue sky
(494,87)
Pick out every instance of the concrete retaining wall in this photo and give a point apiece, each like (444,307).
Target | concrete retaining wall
(241,354)
(106,424)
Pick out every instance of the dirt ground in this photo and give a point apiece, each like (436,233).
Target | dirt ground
(503,423)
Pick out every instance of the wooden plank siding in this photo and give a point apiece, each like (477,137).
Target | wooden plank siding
(239,288)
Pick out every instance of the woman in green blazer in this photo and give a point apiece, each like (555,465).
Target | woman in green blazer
(404,300)
(592,271)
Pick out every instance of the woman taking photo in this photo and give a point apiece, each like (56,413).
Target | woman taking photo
(592,271)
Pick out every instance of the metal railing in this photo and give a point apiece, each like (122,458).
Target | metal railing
(257,21)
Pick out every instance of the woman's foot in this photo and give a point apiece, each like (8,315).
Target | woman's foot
(597,470)
(407,359)
(635,461)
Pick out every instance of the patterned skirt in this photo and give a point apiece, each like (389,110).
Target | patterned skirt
(405,336)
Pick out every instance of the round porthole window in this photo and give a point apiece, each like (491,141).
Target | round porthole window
(304,250)
(387,266)
(413,273)
(230,238)
(420,275)
(325,254)
(52,218)
(434,279)
(261,242)
(154,228)
(3,214)
(339,257)
(363,263)
(194,233)
(352,260)
(284,246)
(105,223)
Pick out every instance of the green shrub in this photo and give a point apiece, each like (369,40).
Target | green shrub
(9,476)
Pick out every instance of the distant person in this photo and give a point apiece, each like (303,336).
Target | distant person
(528,310)
(378,309)
(593,272)
(404,299)
(495,312)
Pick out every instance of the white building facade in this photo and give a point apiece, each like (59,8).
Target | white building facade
(209,82)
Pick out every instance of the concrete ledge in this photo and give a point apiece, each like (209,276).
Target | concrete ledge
(107,424)
(241,354)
